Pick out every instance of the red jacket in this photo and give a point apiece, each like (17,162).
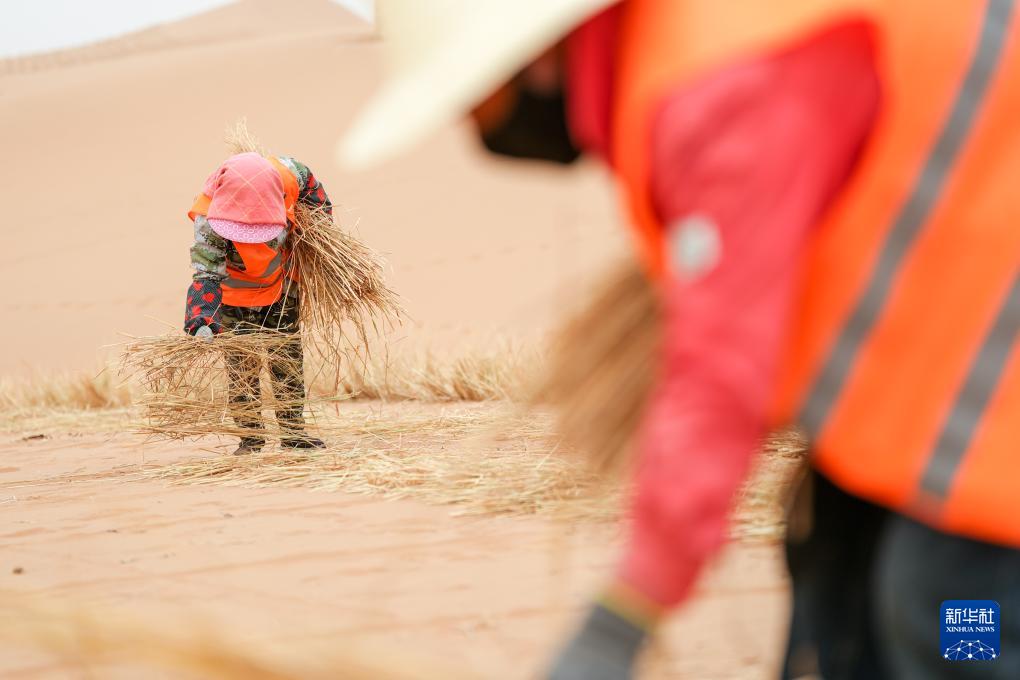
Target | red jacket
(745,160)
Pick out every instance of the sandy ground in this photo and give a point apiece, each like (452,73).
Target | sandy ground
(291,569)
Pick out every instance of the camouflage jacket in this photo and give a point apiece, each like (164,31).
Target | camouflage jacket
(210,253)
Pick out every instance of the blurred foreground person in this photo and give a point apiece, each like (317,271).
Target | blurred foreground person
(244,282)
(823,193)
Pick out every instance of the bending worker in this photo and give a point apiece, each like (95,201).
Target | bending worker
(244,282)
(824,192)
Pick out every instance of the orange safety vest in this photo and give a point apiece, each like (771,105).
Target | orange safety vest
(902,362)
(261,281)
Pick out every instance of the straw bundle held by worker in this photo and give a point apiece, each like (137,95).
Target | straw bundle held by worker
(599,378)
(342,281)
(602,366)
(184,381)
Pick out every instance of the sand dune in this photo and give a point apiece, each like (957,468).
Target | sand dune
(108,151)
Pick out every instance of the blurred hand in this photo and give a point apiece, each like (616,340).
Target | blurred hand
(603,649)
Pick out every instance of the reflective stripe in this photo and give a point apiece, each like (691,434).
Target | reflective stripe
(274,264)
(271,269)
(973,398)
(913,216)
(238,283)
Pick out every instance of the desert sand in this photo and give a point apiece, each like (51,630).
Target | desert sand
(289,569)
(107,146)
(113,142)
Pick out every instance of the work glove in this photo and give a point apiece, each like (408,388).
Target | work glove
(203,307)
(603,649)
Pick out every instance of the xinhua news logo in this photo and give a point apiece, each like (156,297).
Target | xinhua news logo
(970,630)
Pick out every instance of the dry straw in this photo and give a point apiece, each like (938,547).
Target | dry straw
(342,282)
(88,391)
(496,372)
(100,644)
(185,382)
(493,372)
(602,367)
(446,457)
(599,377)
(453,458)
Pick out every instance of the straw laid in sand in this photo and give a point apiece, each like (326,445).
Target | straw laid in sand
(471,457)
(448,457)
(602,368)
(99,390)
(495,372)
(181,382)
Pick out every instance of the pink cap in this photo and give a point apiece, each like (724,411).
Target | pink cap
(246,199)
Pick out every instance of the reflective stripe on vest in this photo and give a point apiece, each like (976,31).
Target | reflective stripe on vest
(261,282)
(234,282)
(903,359)
(972,401)
(912,217)
(903,367)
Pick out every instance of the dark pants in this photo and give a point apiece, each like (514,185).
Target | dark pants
(867,584)
(285,366)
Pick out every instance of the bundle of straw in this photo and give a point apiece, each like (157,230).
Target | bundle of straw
(602,367)
(341,280)
(240,140)
(185,382)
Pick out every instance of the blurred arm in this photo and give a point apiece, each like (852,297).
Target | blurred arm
(744,163)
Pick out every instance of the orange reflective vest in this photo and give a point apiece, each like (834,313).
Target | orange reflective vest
(902,362)
(261,281)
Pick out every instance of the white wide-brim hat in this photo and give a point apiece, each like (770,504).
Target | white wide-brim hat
(443,57)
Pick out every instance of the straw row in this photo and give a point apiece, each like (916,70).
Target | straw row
(183,386)
(455,458)
(480,461)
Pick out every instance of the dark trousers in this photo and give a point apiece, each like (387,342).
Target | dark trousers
(867,585)
(285,366)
